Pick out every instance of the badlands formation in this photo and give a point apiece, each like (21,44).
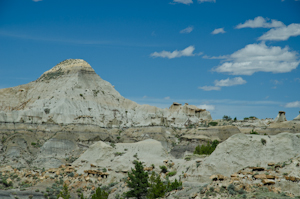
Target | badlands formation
(72,127)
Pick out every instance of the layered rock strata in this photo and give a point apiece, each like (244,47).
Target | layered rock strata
(72,93)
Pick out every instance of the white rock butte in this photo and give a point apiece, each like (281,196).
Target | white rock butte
(72,93)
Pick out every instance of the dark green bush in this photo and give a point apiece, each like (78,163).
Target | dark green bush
(164,169)
(213,123)
(254,132)
(227,118)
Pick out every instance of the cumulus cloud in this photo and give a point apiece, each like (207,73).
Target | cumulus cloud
(210,88)
(218,31)
(167,98)
(295,104)
(187,30)
(230,82)
(187,52)
(183,1)
(260,22)
(207,107)
(282,33)
(260,58)
(202,1)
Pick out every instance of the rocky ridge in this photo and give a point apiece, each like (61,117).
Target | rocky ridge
(72,93)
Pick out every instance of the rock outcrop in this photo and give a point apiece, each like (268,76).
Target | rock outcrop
(242,150)
(297,118)
(280,117)
(72,93)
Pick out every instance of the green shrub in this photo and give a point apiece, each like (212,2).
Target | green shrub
(176,185)
(227,118)
(100,194)
(156,187)
(208,149)
(187,158)
(231,189)
(118,153)
(163,169)
(213,123)
(263,141)
(254,132)
(64,193)
(172,173)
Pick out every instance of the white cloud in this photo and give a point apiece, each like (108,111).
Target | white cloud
(260,22)
(218,31)
(187,30)
(207,107)
(295,104)
(202,1)
(224,82)
(210,88)
(183,1)
(37,0)
(187,52)
(230,82)
(215,57)
(282,33)
(145,96)
(167,98)
(260,58)
(276,82)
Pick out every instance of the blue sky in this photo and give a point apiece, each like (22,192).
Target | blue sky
(236,58)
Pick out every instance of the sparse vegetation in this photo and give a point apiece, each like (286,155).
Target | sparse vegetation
(213,123)
(226,118)
(171,173)
(65,194)
(164,169)
(206,149)
(100,194)
(254,132)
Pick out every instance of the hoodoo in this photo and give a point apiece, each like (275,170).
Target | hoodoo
(280,117)
(72,93)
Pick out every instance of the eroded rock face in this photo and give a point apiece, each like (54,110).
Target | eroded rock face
(242,150)
(72,93)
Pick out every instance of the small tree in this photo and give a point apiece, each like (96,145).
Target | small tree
(138,181)
(100,194)
(65,194)
(174,185)
(226,117)
(157,188)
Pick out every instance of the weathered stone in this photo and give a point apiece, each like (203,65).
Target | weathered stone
(260,176)
(268,182)
(292,178)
